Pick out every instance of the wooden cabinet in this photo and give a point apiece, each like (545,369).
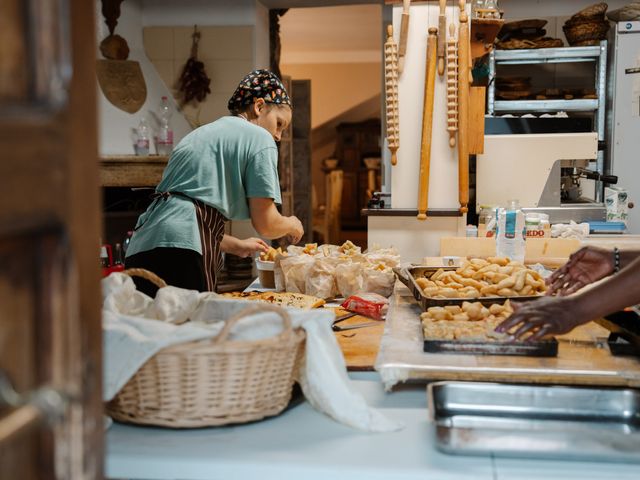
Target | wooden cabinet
(355,142)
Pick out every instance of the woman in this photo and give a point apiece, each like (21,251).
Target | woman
(558,315)
(224,170)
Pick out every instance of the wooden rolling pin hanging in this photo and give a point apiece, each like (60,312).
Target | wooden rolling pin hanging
(442,35)
(452,85)
(427,124)
(391,94)
(404,34)
(463,108)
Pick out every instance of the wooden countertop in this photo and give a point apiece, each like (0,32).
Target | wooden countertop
(583,357)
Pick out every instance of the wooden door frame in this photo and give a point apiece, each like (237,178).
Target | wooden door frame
(49,175)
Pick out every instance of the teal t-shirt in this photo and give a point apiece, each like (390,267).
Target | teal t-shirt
(222,164)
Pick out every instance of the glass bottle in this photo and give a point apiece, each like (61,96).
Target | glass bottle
(487,220)
(117,255)
(125,244)
(493,6)
(142,141)
(476,6)
(104,257)
(165,135)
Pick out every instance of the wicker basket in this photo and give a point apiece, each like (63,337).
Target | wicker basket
(522,24)
(590,31)
(592,11)
(518,44)
(214,382)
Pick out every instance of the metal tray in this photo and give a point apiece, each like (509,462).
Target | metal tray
(626,325)
(547,348)
(620,347)
(551,422)
(411,273)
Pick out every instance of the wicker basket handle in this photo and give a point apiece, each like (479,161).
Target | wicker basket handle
(226,330)
(147,275)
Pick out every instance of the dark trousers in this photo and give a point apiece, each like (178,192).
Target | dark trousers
(178,267)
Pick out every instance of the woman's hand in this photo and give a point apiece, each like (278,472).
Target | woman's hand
(249,246)
(587,265)
(243,248)
(542,317)
(296,231)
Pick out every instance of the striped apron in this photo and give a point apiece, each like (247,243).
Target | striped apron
(211,226)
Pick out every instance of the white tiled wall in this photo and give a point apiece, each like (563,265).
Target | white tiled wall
(228,55)
(226,51)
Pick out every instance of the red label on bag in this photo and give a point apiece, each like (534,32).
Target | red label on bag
(367,304)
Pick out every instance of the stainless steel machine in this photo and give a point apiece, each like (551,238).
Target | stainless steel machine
(547,173)
(556,173)
(624,114)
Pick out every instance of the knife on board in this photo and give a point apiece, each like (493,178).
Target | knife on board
(339,328)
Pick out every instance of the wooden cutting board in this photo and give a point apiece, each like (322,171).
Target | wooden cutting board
(359,346)
(552,252)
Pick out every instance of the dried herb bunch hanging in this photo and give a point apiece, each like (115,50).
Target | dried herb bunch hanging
(193,85)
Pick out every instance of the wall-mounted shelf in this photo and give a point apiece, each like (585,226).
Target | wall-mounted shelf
(548,55)
(483,34)
(595,107)
(409,212)
(132,170)
(577,105)
(596,54)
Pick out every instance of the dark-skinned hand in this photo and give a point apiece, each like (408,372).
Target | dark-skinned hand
(587,265)
(542,317)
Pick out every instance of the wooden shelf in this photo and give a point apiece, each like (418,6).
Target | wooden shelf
(409,212)
(132,170)
(483,34)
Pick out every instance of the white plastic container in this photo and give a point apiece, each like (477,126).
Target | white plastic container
(266,273)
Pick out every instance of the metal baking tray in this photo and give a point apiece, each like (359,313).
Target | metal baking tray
(550,422)
(545,348)
(411,273)
(618,346)
(625,325)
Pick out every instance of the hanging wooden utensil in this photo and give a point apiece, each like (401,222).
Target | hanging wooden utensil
(476,120)
(120,80)
(452,85)
(463,108)
(427,124)
(122,83)
(404,34)
(442,35)
(391,94)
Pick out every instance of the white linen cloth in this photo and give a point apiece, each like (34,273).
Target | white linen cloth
(570,230)
(136,327)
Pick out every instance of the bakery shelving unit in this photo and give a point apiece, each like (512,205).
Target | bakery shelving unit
(597,54)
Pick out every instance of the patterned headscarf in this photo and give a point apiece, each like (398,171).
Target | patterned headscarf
(259,84)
